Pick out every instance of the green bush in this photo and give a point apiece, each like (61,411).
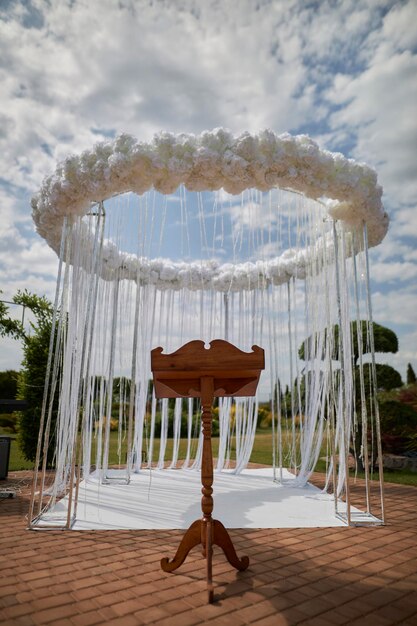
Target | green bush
(397,418)
(264,418)
(411,443)
(32,377)
(398,426)
(408,395)
(8,384)
(8,422)
(31,387)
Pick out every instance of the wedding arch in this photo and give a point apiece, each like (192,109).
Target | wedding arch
(141,230)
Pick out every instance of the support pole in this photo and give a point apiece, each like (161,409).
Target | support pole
(344,417)
(207,396)
(376,406)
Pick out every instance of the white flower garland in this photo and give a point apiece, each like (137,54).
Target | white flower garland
(208,162)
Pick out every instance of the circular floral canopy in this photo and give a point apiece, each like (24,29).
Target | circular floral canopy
(208,162)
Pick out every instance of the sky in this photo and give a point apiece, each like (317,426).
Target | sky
(74,72)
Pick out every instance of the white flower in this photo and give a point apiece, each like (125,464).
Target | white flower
(213,160)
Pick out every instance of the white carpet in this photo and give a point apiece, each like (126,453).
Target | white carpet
(169,499)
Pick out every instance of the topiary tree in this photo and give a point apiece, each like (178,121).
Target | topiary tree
(411,377)
(387,377)
(385,340)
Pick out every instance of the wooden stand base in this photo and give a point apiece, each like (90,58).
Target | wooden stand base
(208,532)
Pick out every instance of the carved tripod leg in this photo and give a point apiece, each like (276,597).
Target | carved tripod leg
(222,539)
(191,539)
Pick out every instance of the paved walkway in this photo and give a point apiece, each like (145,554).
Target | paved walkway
(317,577)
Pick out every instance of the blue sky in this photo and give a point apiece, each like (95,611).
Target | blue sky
(345,72)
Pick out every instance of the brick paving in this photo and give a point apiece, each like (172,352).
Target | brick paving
(317,577)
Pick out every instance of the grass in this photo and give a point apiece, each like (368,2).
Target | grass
(261,453)
(17,461)
(399,477)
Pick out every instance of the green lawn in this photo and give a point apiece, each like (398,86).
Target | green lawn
(399,477)
(17,462)
(261,453)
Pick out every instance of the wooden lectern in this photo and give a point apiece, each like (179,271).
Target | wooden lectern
(194,371)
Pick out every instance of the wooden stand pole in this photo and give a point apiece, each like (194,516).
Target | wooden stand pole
(207,396)
(206,531)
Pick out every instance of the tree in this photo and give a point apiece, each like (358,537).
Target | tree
(8,384)
(385,340)
(408,395)
(8,391)
(9,327)
(286,403)
(387,377)
(398,413)
(35,357)
(411,377)
(398,426)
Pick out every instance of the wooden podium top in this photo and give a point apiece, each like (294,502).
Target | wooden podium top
(234,372)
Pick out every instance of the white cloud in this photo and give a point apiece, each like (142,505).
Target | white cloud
(32,282)
(37,256)
(407,353)
(11,213)
(10,354)
(392,249)
(377,105)
(404,222)
(395,307)
(21,251)
(114,69)
(398,29)
(394,271)
(240,65)
(251,215)
(397,310)
(222,197)
(376,112)
(412,254)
